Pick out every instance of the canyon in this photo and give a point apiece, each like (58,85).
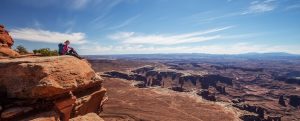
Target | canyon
(254,90)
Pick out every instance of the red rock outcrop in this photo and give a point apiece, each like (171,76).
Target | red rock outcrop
(6,42)
(61,86)
(5,38)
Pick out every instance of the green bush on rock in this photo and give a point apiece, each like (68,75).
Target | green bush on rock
(45,52)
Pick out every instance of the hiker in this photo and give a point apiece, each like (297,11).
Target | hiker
(65,49)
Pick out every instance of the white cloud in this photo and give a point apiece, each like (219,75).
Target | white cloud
(260,7)
(211,49)
(159,39)
(121,35)
(255,7)
(39,35)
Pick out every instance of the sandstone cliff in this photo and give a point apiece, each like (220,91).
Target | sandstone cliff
(6,42)
(49,88)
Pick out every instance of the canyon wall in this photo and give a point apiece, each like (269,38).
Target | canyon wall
(212,87)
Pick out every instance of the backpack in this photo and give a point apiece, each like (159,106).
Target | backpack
(60,48)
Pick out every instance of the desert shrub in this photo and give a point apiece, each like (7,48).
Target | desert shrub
(21,49)
(45,52)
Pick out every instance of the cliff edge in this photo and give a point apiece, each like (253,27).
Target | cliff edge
(49,88)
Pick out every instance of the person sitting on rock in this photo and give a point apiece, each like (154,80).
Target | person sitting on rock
(65,49)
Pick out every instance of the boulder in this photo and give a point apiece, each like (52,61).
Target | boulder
(45,76)
(5,38)
(6,42)
(49,89)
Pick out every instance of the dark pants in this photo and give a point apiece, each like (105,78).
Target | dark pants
(72,52)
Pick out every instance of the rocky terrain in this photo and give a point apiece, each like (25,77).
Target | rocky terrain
(128,102)
(168,88)
(50,89)
(58,88)
(6,42)
(261,90)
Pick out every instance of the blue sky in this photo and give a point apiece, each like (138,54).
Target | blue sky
(155,26)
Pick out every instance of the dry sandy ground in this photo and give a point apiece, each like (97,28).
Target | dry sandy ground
(134,104)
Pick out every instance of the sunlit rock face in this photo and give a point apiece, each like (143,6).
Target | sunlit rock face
(6,42)
(59,88)
(5,38)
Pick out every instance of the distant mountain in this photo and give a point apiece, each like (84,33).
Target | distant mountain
(270,54)
(273,55)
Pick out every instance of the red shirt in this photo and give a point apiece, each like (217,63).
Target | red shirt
(65,49)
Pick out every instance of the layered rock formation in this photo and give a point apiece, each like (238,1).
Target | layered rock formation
(271,85)
(216,87)
(255,109)
(174,80)
(206,85)
(56,88)
(6,42)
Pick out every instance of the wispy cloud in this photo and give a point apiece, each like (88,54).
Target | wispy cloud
(107,6)
(79,4)
(210,19)
(260,7)
(103,18)
(237,48)
(159,39)
(254,7)
(125,23)
(70,24)
(39,35)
